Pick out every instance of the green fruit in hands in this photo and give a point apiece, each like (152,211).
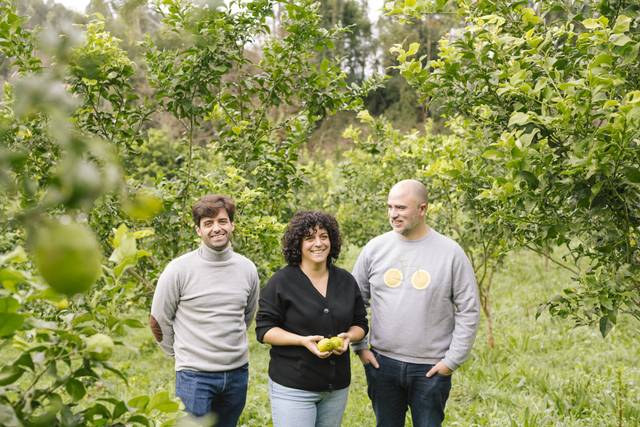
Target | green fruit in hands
(99,347)
(329,344)
(67,256)
(325,344)
(337,343)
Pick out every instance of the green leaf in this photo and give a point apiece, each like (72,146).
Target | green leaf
(541,308)
(134,323)
(145,232)
(9,305)
(593,23)
(118,372)
(119,409)
(140,419)
(518,118)
(622,24)
(139,402)
(8,416)
(99,410)
(10,375)
(531,180)
(632,175)
(76,389)
(605,326)
(413,49)
(9,278)
(163,403)
(16,256)
(492,154)
(620,39)
(25,360)
(9,323)
(124,244)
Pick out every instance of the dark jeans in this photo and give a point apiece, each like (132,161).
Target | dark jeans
(223,393)
(396,385)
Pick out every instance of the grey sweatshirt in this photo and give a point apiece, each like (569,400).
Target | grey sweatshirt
(423,298)
(204,302)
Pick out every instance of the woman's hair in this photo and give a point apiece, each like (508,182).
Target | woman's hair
(302,225)
(208,207)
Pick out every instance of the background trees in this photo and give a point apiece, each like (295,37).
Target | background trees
(551,96)
(523,121)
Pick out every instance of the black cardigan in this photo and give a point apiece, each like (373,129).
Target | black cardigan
(291,302)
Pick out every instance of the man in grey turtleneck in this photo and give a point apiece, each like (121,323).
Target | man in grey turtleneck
(202,306)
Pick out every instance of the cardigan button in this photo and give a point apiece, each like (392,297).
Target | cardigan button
(326,311)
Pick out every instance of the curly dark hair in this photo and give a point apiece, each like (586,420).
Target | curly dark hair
(302,225)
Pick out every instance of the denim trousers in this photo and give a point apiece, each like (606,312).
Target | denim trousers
(292,407)
(396,386)
(221,393)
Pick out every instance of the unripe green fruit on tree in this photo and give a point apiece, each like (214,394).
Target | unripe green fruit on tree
(325,344)
(63,304)
(337,343)
(99,347)
(68,256)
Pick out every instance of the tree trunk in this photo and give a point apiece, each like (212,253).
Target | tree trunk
(486,309)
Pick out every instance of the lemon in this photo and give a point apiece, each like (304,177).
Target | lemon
(325,344)
(337,343)
(99,347)
(63,304)
(143,206)
(67,256)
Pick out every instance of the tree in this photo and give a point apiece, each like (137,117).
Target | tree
(554,93)
(76,143)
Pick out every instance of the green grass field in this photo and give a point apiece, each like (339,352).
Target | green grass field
(541,372)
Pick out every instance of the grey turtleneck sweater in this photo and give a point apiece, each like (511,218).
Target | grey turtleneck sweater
(204,302)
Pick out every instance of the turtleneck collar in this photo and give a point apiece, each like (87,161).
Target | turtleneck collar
(212,255)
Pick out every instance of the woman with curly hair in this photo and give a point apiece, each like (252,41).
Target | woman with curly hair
(304,302)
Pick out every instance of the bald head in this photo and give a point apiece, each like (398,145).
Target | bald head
(412,188)
(407,208)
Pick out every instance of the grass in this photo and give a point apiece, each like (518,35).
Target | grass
(541,373)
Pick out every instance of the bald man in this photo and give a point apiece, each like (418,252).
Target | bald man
(424,312)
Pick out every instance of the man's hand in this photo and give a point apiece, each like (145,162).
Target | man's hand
(367,357)
(155,328)
(439,368)
(311,343)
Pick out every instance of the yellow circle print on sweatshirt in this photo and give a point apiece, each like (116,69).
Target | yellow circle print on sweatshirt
(393,277)
(420,279)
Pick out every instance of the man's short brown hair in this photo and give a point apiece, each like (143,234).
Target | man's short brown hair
(209,206)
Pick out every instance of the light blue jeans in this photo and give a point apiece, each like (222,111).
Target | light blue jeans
(291,407)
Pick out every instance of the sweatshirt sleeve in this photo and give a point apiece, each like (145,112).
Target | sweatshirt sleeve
(467,314)
(165,304)
(359,310)
(252,301)
(270,312)
(361,274)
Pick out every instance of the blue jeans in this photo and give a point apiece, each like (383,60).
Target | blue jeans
(221,393)
(396,385)
(291,407)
